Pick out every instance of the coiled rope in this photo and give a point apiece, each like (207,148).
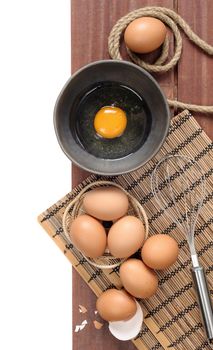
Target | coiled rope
(173,20)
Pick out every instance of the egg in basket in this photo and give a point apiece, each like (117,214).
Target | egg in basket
(106,224)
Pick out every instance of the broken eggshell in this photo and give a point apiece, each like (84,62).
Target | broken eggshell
(129,329)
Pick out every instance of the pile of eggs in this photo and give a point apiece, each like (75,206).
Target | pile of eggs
(107,207)
(125,237)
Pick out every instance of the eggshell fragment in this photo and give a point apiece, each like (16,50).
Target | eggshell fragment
(138,279)
(106,203)
(129,329)
(145,34)
(160,251)
(126,236)
(82,309)
(116,305)
(97,324)
(88,235)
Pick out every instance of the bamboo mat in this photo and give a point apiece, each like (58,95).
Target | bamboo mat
(171,316)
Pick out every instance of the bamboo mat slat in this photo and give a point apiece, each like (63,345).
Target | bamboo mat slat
(172,317)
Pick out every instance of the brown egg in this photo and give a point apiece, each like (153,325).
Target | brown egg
(160,251)
(106,203)
(138,279)
(145,34)
(116,305)
(88,235)
(126,236)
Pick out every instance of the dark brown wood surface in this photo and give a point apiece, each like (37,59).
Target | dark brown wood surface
(191,81)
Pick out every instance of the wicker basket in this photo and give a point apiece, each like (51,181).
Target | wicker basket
(75,208)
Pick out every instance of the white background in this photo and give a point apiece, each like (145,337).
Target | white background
(35,277)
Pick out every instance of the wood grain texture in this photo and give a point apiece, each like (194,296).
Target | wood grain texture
(195,70)
(92,21)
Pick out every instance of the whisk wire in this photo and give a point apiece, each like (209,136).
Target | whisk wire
(179,191)
(172,194)
(187,191)
(178,185)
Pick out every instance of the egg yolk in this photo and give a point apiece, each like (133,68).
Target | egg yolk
(110,122)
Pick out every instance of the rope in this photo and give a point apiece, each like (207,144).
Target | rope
(173,20)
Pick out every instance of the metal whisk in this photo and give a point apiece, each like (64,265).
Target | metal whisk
(178,185)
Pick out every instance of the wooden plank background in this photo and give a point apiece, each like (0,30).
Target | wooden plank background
(191,81)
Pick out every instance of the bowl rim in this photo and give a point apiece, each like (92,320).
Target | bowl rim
(143,71)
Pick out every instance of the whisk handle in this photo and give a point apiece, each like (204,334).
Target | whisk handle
(204,299)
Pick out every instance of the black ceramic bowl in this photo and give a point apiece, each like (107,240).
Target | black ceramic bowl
(121,84)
